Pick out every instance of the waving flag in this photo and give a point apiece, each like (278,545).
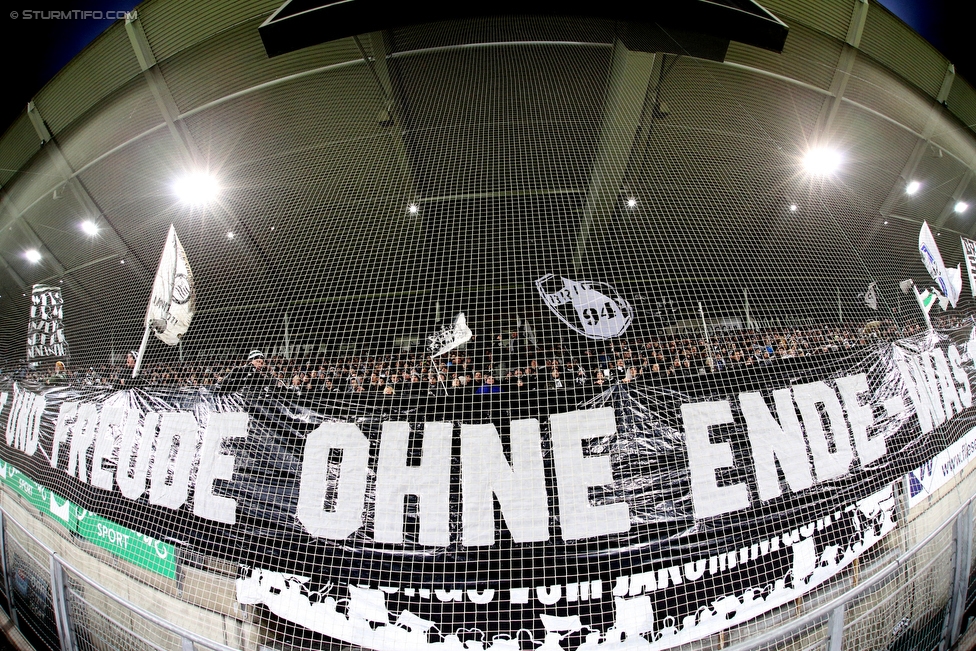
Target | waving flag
(949,281)
(173,299)
(870,297)
(449,337)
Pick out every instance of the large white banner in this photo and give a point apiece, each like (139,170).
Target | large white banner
(173,299)
(45,335)
(948,280)
(969,252)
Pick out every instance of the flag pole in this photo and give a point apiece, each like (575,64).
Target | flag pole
(142,350)
(708,343)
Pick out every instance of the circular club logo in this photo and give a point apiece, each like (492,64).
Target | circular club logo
(181,289)
(593,309)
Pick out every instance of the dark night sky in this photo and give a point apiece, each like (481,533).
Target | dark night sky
(945,25)
(33,51)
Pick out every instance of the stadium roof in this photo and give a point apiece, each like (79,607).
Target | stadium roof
(555,120)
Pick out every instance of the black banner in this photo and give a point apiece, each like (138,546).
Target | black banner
(576,517)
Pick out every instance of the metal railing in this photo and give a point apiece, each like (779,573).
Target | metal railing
(48,597)
(56,606)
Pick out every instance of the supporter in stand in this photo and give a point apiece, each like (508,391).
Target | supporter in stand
(125,379)
(250,376)
(59,376)
(658,359)
(488,387)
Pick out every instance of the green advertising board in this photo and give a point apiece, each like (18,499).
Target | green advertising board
(125,543)
(35,494)
(140,550)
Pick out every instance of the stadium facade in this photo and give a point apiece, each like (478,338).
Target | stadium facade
(359,326)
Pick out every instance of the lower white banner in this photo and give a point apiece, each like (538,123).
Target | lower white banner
(360,614)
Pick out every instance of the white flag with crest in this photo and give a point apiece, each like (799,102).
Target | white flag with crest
(949,281)
(173,299)
(450,337)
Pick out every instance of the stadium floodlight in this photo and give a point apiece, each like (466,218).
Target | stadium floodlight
(822,161)
(631,202)
(197,188)
(960,207)
(792,207)
(33,255)
(413,209)
(912,187)
(89,227)
(230,235)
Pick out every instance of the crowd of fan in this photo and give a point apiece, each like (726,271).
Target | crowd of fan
(506,363)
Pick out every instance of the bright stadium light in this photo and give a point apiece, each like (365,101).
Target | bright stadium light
(230,235)
(89,227)
(413,209)
(792,207)
(821,161)
(631,203)
(912,187)
(196,189)
(33,255)
(960,207)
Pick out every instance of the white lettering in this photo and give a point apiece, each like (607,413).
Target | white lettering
(11,430)
(917,391)
(66,414)
(809,398)
(429,482)
(772,442)
(104,446)
(520,487)
(214,465)
(705,458)
(346,516)
(950,399)
(132,480)
(172,494)
(576,473)
(960,375)
(931,382)
(861,417)
(17,419)
(113,536)
(82,437)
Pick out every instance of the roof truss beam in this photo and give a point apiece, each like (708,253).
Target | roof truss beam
(842,74)
(80,193)
(160,91)
(392,114)
(632,79)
